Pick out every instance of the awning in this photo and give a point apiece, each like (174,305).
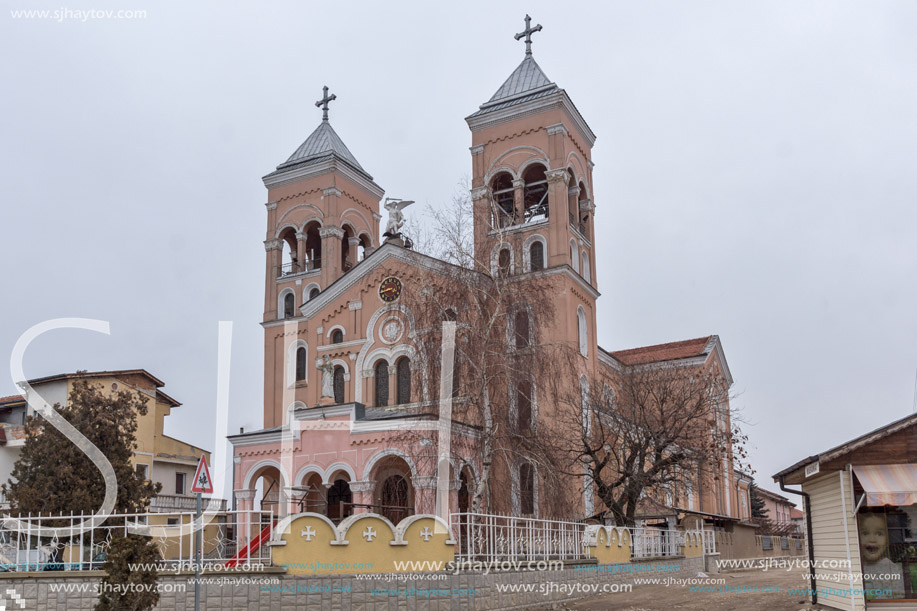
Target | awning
(888,484)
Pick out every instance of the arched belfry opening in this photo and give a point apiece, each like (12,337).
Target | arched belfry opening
(535,194)
(313,247)
(504,199)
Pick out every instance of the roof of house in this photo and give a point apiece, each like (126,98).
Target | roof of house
(11,399)
(774,496)
(99,374)
(323,143)
(850,446)
(526,82)
(796,514)
(670,351)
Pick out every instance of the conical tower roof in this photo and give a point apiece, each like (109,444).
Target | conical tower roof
(322,144)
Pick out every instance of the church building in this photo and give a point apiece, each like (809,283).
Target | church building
(352,387)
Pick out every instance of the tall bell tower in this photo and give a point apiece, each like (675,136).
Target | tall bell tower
(322,219)
(532,174)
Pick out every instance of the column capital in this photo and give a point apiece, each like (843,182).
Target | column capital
(586,205)
(518,183)
(244,495)
(273,245)
(477,150)
(479,193)
(353,241)
(331,232)
(424,482)
(556,175)
(557,128)
(331,191)
(271,205)
(363,486)
(300,235)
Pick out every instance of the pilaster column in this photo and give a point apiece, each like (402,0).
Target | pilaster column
(424,493)
(353,252)
(362,493)
(331,253)
(559,244)
(244,506)
(273,254)
(289,501)
(301,257)
(518,201)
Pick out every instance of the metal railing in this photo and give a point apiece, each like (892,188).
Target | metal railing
(295,267)
(74,544)
(486,537)
(655,542)
(709,542)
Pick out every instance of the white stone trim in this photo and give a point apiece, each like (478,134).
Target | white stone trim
(307,290)
(291,362)
(586,270)
(331,330)
(516,486)
(527,251)
(495,258)
(249,484)
(281,311)
(574,255)
(582,330)
(367,470)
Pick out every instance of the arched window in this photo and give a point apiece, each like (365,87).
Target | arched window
(522,329)
(581,331)
(536,255)
(403,376)
(300,364)
(503,262)
(502,189)
(381,384)
(524,405)
(339,500)
(338,384)
(456,371)
(337,336)
(288,262)
(289,305)
(535,195)
(314,293)
(394,498)
(574,256)
(583,210)
(587,273)
(526,489)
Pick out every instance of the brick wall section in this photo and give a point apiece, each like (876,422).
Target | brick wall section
(35,590)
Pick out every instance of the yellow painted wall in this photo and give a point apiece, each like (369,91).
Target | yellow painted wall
(607,544)
(310,544)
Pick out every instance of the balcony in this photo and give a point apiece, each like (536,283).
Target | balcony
(295,267)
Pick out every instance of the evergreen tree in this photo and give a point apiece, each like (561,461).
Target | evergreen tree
(758,510)
(131,590)
(52,475)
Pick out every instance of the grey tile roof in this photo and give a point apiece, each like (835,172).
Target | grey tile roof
(322,144)
(527,82)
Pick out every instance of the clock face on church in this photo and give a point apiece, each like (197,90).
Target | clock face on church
(390,289)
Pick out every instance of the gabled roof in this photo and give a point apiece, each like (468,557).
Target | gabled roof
(322,144)
(670,351)
(11,399)
(100,374)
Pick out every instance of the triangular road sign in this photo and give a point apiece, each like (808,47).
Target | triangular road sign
(202,481)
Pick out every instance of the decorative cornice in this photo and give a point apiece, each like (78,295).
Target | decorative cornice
(532,107)
(558,128)
(424,482)
(273,244)
(362,486)
(477,150)
(311,170)
(331,232)
(245,495)
(331,191)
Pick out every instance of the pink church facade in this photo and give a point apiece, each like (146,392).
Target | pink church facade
(340,382)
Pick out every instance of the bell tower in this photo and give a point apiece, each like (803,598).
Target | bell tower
(532,175)
(322,219)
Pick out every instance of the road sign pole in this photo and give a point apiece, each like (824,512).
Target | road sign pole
(198,544)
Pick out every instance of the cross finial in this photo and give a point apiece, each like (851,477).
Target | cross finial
(323,103)
(527,34)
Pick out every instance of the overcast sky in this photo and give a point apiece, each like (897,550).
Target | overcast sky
(755,178)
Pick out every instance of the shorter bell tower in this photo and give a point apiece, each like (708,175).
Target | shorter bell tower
(322,220)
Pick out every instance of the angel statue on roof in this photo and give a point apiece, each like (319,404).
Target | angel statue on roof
(396,218)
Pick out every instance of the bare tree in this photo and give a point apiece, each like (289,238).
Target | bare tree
(648,430)
(499,352)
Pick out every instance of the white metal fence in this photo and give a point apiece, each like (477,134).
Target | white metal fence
(72,542)
(488,537)
(709,542)
(655,542)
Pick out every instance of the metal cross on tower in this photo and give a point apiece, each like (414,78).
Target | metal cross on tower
(527,34)
(323,103)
